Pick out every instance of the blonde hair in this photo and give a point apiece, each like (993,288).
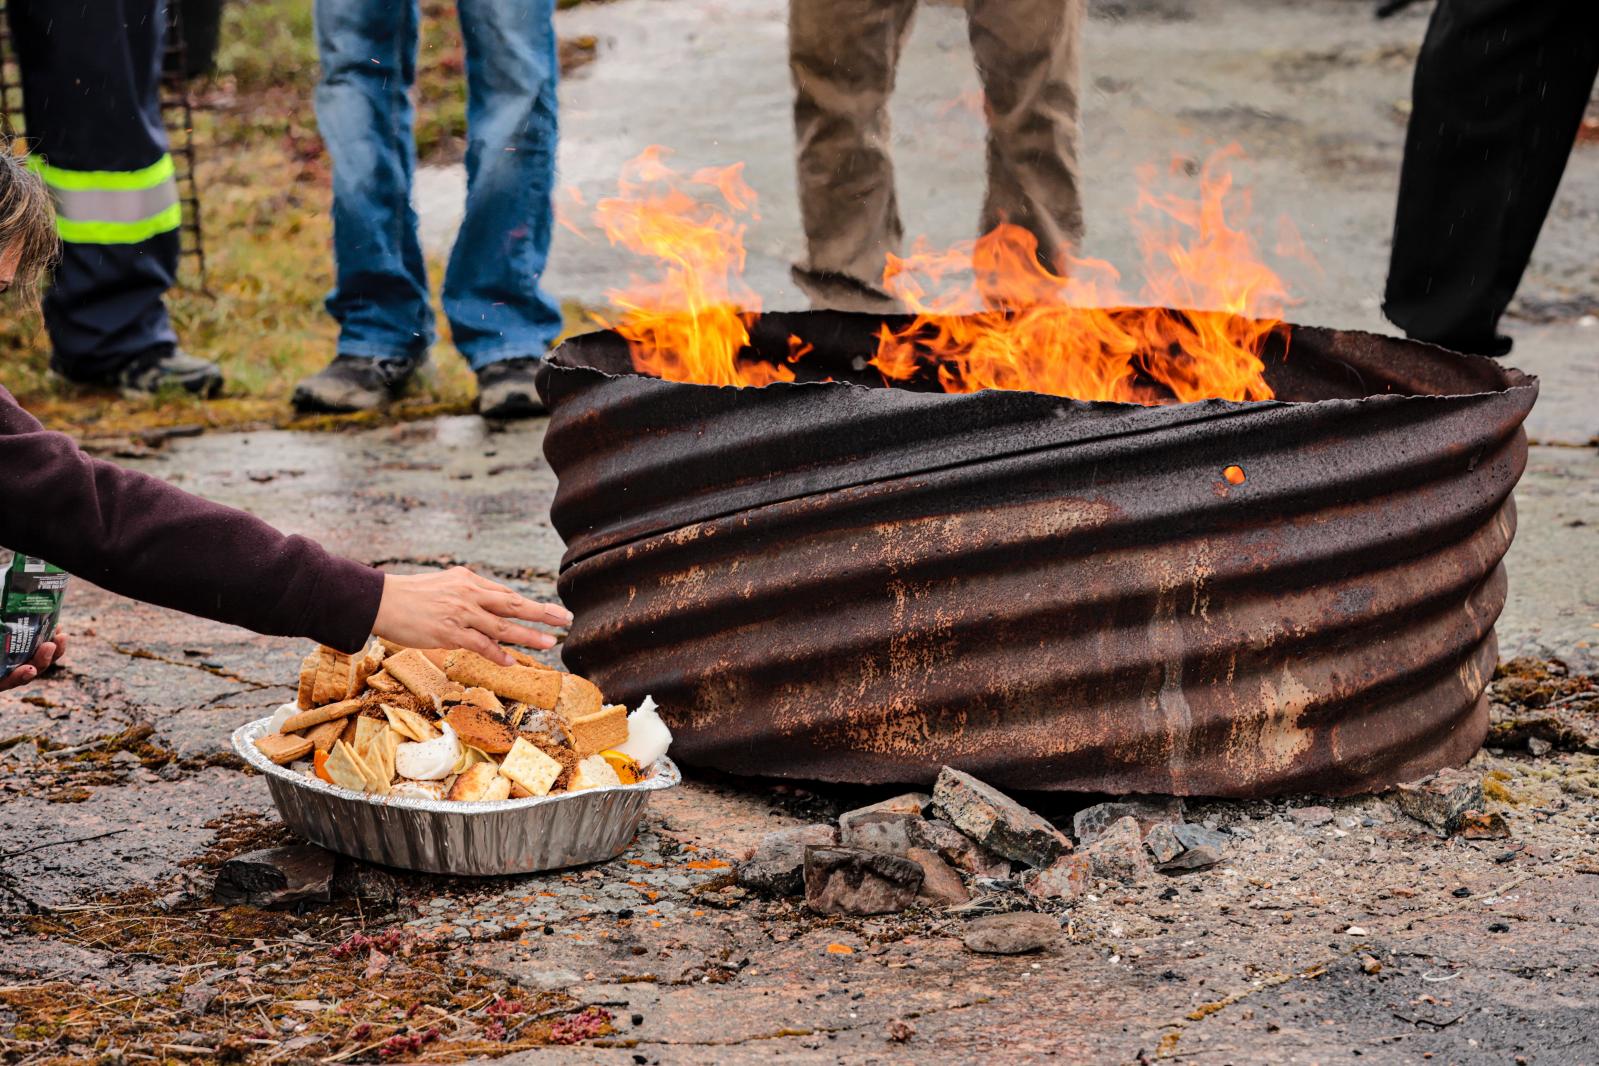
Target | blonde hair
(27,221)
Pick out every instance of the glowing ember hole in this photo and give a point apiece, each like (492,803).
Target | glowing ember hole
(1234,475)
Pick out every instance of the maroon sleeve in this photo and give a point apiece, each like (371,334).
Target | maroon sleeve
(140,537)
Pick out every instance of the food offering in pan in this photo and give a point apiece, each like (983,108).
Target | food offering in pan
(437,725)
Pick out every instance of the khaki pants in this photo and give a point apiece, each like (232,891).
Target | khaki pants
(843,55)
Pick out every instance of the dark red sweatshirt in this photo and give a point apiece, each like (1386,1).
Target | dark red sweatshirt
(140,537)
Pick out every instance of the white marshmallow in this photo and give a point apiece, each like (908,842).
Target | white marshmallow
(281,715)
(647,736)
(429,760)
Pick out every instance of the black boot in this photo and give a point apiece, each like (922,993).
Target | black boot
(505,389)
(165,367)
(354,383)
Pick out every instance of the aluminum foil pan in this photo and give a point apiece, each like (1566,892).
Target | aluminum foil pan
(446,837)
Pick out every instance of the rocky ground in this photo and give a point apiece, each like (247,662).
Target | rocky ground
(1326,930)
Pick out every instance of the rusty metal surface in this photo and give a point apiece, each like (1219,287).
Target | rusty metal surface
(841,583)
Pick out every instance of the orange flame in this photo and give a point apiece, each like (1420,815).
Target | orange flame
(691,323)
(1067,333)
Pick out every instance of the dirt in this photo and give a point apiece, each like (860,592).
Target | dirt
(1362,932)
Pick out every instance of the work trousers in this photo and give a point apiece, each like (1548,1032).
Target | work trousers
(843,55)
(91,81)
(1499,93)
(492,295)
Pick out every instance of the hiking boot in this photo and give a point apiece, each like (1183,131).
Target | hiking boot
(354,383)
(162,368)
(505,389)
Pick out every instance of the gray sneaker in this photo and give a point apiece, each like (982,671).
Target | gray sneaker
(505,389)
(170,368)
(354,383)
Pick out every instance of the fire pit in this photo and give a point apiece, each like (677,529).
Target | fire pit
(849,582)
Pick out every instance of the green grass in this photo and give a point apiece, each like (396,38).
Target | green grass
(264,192)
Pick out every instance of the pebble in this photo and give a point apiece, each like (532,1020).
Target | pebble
(1016,933)
(1311,816)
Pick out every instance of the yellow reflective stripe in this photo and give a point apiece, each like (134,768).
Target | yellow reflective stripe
(79,231)
(97,180)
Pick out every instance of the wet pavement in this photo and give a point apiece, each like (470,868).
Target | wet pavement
(1318,939)
(1261,958)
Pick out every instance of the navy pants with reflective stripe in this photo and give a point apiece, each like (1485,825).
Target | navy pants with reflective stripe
(91,73)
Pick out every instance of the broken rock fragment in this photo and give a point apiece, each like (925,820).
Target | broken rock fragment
(957,849)
(1440,802)
(1015,933)
(1475,825)
(841,880)
(1065,878)
(887,826)
(276,877)
(885,831)
(996,821)
(1118,854)
(941,885)
(1185,846)
(777,865)
(1150,811)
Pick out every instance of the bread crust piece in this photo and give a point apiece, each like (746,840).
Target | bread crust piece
(481,729)
(335,678)
(380,681)
(318,715)
(323,736)
(418,674)
(482,697)
(368,663)
(308,667)
(593,733)
(283,749)
(524,684)
(579,697)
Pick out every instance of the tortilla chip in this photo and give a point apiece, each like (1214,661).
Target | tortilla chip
(385,748)
(346,768)
(408,723)
(366,731)
(470,757)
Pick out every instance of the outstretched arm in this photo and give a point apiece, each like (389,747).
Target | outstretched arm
(140,537)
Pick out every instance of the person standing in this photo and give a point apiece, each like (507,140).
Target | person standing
(843,55)
(91,81)
(1500,90)
(500,318)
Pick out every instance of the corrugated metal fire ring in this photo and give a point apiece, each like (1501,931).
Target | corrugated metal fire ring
(831,582)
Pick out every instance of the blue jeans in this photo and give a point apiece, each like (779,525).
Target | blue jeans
(492,297)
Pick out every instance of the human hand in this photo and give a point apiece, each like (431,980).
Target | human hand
(45,656)
(456,608)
